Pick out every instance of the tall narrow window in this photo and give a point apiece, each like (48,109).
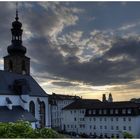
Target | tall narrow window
(42,115)
(23,67)
(10,65)
(32,108)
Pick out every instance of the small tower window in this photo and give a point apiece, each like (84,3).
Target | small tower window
(10,66)
(23,67)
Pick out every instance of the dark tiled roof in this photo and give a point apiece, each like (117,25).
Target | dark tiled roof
(17,113)
(62,97)
(82,104)
(109,105)
(7,79)
(96,104)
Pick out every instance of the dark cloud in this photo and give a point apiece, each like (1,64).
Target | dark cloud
(6,16)
(118,64)
(97,71)
(128,47)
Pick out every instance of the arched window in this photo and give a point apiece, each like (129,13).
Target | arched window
(42,115)
(10,65)
(32,108)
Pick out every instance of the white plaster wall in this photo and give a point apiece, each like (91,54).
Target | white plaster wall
(134,123)
(15,100)
(25,98)
(57,113)
(49,116)
(136,126)
(37,116)
(69,119)
(33,125)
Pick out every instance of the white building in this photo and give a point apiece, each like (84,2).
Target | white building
(102,119)
(21,98)
(57,102)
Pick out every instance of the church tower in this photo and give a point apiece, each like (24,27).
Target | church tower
(16,61)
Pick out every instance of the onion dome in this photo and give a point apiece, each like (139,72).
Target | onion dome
(17,24)
(16,46)
(13,49)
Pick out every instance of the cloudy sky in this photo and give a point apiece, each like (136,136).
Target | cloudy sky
(82,48)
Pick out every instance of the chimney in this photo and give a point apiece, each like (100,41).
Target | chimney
(103,98)
(110,99)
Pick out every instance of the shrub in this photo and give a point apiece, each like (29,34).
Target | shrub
(127,135)
(22,129)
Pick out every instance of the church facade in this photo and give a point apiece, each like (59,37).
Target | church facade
(21,97)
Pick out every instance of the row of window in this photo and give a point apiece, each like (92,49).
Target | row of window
(71,126)
(112,119)
(112,127)
(100,127)
(82,119)
(57,120)
(80,111)
(106,135)
(57,114)
(111,111)
(61,103)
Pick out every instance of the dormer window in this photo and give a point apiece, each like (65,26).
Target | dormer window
(111,111)
(105,111)
(100,111)
(94,112)
(129,111)
(116,111)
(123,111)
(89,112)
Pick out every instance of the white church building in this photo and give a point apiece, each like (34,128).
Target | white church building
(21,97)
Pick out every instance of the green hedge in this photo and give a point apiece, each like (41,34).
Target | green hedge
(22,129)
(128,135)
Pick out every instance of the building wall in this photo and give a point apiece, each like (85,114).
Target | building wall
(75,121)
(17,62)
(57,113)
(16,100)
(37,107)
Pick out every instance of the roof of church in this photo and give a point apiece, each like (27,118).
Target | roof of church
(8,81)
(17,113)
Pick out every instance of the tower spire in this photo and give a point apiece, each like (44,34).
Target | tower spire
(16,11)
(16,46)
(16,61)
